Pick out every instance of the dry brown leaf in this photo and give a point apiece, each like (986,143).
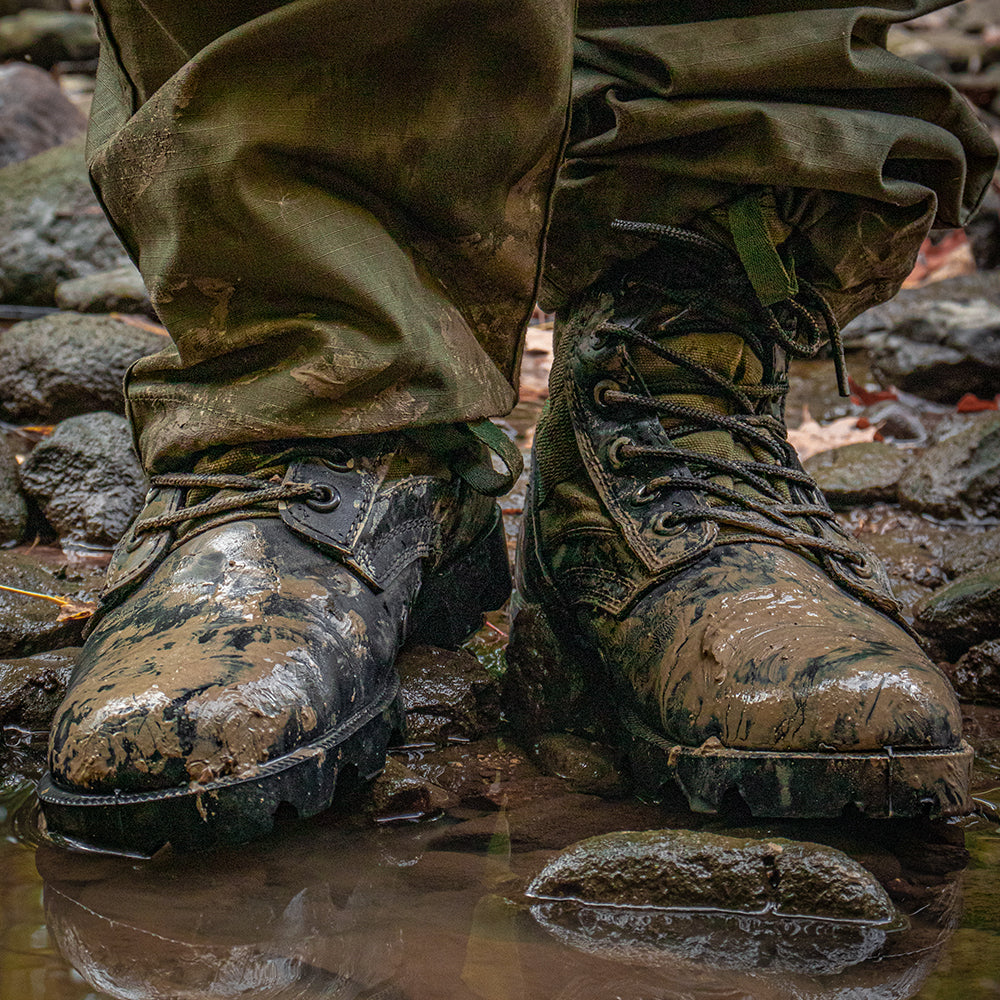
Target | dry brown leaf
(811,437)
(75,610)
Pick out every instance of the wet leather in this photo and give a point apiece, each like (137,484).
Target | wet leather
(249,639)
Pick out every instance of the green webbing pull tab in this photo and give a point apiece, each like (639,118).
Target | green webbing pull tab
(764,266)
(485,479)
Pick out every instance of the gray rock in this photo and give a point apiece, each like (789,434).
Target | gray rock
(866,472)
(87,480)
(447,694)
(13,508)
(684,869)
(35,114)
(30,625)
(977,674)
(959,475)
(941,351)
(971,553)
(46,37)
(965,612)
(583,765)
(884,318)
(16,6)
(65,364)
(121,290)
(51,226)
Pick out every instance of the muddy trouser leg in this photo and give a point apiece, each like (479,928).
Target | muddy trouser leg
(339,208)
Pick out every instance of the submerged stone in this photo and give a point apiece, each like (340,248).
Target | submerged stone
(864,472)
(971,553)
(87,480)
(399,793)
(584,766)
(959,475)
(683,869)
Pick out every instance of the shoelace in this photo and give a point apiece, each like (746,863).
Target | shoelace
(252,492)
(792,325)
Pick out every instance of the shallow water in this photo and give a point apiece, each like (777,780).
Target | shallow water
(339,907)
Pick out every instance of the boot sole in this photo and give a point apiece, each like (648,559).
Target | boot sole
(880,784)
(303,783)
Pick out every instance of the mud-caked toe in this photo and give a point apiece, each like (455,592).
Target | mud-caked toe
(243,660)
(742,643)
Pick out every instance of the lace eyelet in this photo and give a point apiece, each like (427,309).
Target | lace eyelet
(339,461)
(661,527)
(604,386)
(614,452)
(133,542)
(864,571)
(643,495)
(323,498)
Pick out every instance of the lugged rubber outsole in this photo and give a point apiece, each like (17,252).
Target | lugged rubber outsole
(236,809)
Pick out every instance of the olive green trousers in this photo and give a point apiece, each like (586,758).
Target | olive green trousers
(346,209)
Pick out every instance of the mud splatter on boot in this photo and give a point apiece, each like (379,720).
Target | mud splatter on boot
(694,573)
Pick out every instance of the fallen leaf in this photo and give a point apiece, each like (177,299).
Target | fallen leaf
(140,324)
(811,437)
(971,403)
(75,610)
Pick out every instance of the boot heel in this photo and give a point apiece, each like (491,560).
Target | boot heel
(454,599)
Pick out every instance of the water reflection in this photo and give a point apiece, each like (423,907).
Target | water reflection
(333,909)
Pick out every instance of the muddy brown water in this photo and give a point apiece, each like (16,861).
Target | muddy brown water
(341,907)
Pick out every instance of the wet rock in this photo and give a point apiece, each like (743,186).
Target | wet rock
(965,612)
(485,774)
(976,676)
(447,694)
(584,766)
(87,480)
(51,226)
(941,351)
(884,318)
(30,625)
(65,364)
(544,690)
(865,472)
(35,114)
(688,869)
(971,553)
(399,793)
(13,508)
(32,688)
(983,231)
(959,475)
(46,37)
(120,290)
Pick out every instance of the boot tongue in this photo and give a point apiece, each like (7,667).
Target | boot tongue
(728,356)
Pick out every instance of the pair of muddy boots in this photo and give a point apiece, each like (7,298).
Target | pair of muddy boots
(684,566)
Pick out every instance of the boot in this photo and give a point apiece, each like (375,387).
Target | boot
(742,644)
(242,660)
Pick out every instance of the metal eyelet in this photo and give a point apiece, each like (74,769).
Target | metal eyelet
(602,387)
(661,527)
(340,461)
(614,452)
(864,571)
(133,542)
(643,495)
(323,498)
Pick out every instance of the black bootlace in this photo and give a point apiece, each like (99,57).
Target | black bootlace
(710,293)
